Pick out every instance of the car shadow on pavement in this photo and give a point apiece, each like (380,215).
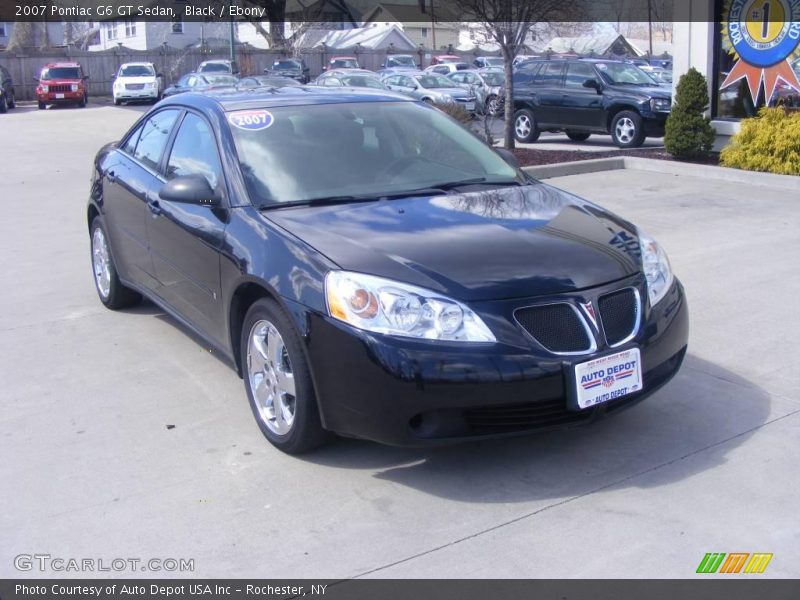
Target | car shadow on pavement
(689,426)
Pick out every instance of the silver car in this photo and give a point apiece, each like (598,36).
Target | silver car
(486,85)
(430,87)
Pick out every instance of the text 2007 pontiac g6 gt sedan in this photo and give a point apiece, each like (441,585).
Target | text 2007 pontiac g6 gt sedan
(373,269)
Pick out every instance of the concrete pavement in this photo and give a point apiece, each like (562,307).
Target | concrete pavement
(92,468)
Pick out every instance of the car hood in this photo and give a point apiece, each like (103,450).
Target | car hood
(61,81)
(134,80)
(650,91)
(486,245)
(455,92)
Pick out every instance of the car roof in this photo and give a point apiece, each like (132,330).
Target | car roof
(343,58)
(350,72)
(136,64)
(62,64)
(232,99)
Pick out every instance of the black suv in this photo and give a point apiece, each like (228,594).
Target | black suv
(585,96)
(7,96)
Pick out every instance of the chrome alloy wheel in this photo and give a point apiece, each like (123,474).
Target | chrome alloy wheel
(522,125)
(625,130)
(271,378)
(101,261)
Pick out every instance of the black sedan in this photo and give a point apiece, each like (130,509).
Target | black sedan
(196,82)
(372,269)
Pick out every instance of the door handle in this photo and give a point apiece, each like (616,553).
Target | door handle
(155,207)
(112,176)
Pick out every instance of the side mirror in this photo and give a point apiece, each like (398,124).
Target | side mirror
(592,83)
(190,189)
(160,75)
(113,76)
(414,86)
(508,156)
(36,78)
(85,77)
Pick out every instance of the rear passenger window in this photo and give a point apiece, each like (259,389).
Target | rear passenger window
(130,146)
(153,138)
(550,74)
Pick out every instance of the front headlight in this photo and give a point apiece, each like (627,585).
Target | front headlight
(45,89)
(657,269)
(393,308)
(660,105)
(150,85)
(74,87)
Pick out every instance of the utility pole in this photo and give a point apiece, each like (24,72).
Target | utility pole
(650,27)
(234,68)
(433,28)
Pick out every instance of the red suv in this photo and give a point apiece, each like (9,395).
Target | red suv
(61,83)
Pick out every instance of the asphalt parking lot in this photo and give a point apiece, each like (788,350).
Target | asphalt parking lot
(123,436)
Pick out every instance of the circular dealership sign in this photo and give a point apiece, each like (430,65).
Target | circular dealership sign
(764,32)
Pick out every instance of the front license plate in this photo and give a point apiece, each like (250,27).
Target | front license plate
(608,378)
(59,96)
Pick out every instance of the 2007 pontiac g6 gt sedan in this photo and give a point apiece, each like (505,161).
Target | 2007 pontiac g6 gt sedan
(374,270)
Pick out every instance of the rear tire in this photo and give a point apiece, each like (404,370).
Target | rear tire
(111,291)
(578,136)
(526,130)
(277,380)
(627,129)
(13,102)
(3,105)
(493,106)
(117,102)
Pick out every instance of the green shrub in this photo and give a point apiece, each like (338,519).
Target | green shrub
(688,133)
(455,110)
(769,142)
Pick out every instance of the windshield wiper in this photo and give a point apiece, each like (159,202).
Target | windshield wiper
(434,190)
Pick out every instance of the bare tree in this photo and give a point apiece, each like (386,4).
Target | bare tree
(301,15)
(508,23)
(24,35)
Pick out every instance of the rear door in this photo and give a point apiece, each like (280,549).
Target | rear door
(129,175)
(582,107)
(185,239)
(548,91)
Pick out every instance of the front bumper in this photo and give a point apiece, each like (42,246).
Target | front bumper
(59,97)
(654,123)
(411,393)
(144,94)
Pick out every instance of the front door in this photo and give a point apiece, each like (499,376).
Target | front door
(582,107)
(185,239)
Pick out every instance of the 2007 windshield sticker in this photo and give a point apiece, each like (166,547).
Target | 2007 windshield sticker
(251,120)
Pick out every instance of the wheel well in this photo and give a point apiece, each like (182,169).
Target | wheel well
(91,214)
(614,112)
(243,298)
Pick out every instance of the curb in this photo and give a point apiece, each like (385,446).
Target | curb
(788,182)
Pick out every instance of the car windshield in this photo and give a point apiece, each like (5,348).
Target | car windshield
(221,79)
(361,149)
(431,82)
(215,68)
(493,78)
(61,73)
(621,73)
(137,71)
(344,63)
(286,64)
(361,81)
(401,61)
(494,61)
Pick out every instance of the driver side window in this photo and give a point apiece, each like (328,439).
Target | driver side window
(195,152)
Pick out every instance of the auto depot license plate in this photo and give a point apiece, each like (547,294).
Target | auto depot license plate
(607,378)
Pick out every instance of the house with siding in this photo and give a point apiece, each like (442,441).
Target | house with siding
(430,25)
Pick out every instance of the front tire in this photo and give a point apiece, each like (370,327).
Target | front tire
(493,106)
(12,103)
(526,130)
(627,129)
(578,136)
(3,105)
(113,294)
(117,102)
(84,101)
(42,105)
(278,380)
